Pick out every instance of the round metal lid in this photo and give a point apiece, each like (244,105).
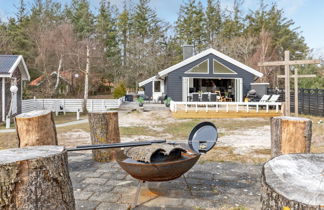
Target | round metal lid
(203,137)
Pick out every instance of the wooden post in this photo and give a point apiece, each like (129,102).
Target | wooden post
(36,128)
(35,178)
(296,76)
(104,129)
(287,63)
(287,85)
(293,181)
(296,91)
(290,135)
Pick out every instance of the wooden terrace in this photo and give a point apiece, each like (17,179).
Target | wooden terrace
(225,109)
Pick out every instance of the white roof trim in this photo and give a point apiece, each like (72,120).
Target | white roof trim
(264,83)
(198,56)
(25,76)
(205,53)
(5,75)
(141,84)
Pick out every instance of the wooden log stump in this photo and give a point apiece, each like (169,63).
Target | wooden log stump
(290,135)
(104,129)
(293,181)
(35,178)
(36,128)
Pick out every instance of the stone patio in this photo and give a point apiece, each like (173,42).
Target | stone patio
(214,185)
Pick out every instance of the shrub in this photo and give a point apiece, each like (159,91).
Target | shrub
(119,91)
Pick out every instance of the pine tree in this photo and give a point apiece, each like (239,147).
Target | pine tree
(106,29)
(190,26)
(124,25)
(81,18)
(213,20)
(233,25)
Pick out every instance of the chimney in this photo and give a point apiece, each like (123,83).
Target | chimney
(187,51)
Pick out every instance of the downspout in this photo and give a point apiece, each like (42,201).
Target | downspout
(3,100)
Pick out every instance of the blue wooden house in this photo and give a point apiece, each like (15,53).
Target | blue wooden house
(200,73)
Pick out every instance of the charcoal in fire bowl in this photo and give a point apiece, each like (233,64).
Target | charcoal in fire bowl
(168,164)
(155,153)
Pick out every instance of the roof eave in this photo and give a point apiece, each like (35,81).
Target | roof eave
(25,76)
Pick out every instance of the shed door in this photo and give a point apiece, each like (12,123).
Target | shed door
(185,88)
(238,90)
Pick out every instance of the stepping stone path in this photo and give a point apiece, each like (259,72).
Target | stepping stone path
(214,185)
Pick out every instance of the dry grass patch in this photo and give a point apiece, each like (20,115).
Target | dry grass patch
(223,154)
(8,140)
(137,130)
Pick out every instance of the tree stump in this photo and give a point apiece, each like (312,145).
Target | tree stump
(104,129)
(294,181)
(36,128)
(290,135)
(35,178)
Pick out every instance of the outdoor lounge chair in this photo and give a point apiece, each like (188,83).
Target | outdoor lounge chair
(205,97)
(195,97)
(274,98)
(264,98)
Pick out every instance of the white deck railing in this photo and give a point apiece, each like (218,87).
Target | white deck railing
(224,106)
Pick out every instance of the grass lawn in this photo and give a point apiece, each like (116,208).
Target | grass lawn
(180,129)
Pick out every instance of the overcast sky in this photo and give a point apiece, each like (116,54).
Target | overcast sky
(307,14)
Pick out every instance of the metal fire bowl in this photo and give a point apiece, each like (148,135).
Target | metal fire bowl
(157,172)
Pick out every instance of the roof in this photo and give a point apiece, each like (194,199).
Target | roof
(37,81)
(198,56)
(64,75)
(9,63)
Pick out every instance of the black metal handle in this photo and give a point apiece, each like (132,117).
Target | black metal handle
(115,145)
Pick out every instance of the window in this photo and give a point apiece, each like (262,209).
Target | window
(200,68)
(157,86)
(221,69)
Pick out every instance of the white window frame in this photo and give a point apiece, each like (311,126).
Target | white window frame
(214,60)
(187,72)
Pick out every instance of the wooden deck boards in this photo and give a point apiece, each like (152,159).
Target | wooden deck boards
(223,114)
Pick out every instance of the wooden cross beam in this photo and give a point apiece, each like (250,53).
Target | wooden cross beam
(287,63)
(296,76)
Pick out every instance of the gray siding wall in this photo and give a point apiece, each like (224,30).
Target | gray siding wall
(174,81)
(148,89)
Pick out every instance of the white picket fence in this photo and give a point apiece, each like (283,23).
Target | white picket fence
(70,105)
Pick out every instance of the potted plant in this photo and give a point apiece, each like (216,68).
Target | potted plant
(140,101)
(167,101)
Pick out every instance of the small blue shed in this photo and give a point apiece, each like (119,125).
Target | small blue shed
(203,72)
(13,71)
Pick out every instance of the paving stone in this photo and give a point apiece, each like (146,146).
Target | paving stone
(197,203)
(120,183)
(105,197)
(82,195)
(141,207)
(94,181)
(98,188)
(112,206)
(200,175)
(90,174)
(213,184)
(163,202)
(86,205)
(115,175)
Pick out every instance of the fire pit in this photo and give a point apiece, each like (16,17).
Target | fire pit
(157,172)
(202,138)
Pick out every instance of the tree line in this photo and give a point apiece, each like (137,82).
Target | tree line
(130,44)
